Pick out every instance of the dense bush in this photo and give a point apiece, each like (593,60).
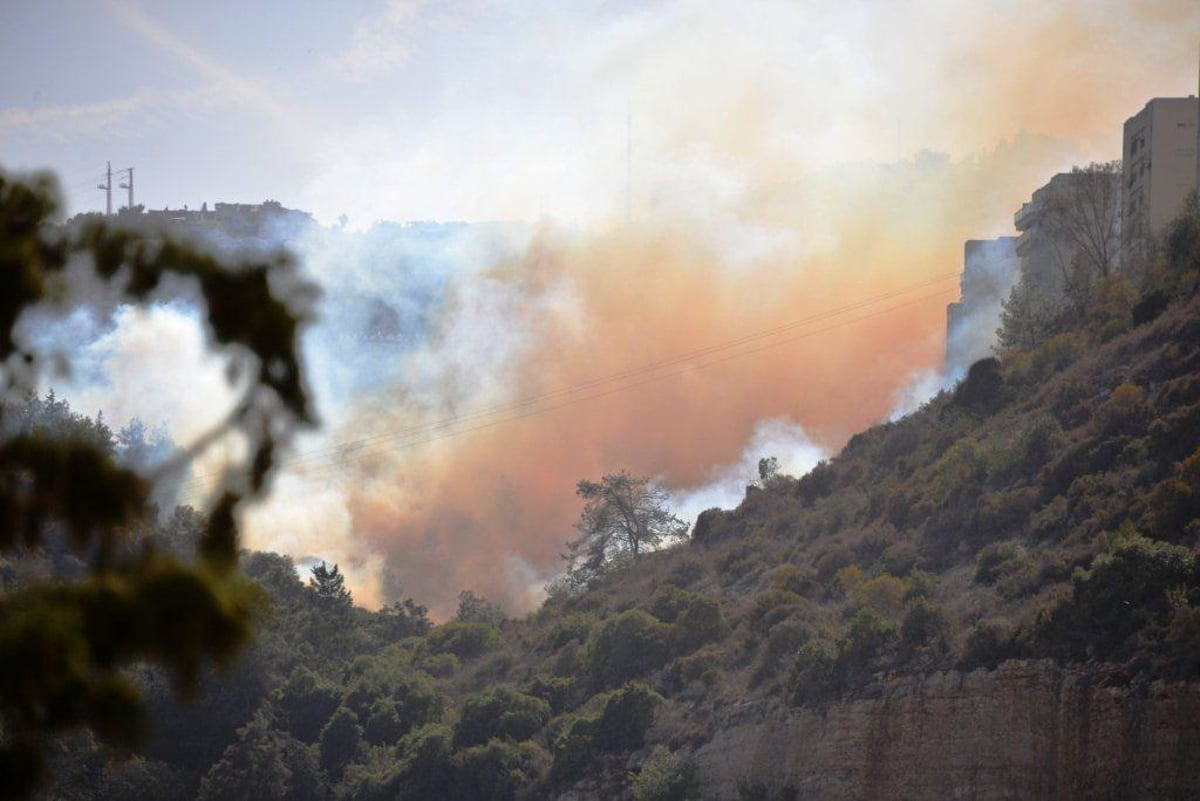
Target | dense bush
(424,770)
(989,643)
(1175,503)
(665,776)
(304,704)
(501,713)
(627,646)
(697,619)
(924,627)
(996,560)
(620,726)
(498,770)
(1126,591)
(263,763)
(814,675)
(627,716)
(868,639)
(464,640)
(815,484)
(573,626)
(341,740)
(572,749)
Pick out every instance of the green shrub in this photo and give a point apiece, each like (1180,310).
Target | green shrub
(341,740)
(424,769)
(411,700)
(629,645)
(572,749)
(1172,436)
(498,770)
(686,573)
(401,700)
(699,666)
(924,626)
(1183,637)
(304,704)
(868,639)
(627,716)
(814,676)
(1125,411)
(920,585)
(501,713)
(1175,502)
(439,665)
(784,639)
(1002,514)
(989,643)
(1057,353)
(574,626)
(997,559)
(714,525)
(697,618)
(773,606)
(665,776)
(558,692)
(816,484)
(749,789)
(384,724)
(960,469)
(884,593)
(464,640)
(1126,591)
(793,579)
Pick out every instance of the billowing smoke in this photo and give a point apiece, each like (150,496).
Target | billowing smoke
(783,272)
(775,438)
(685,346)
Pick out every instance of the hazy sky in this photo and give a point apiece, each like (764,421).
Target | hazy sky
(407,109)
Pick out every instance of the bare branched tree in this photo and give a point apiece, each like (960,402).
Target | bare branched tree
(1085,216)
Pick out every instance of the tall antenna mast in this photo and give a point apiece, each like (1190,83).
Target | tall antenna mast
(107,187)
(129,186)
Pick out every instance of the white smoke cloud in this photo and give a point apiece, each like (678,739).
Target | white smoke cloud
(152,364)
(922,386)
(781,438)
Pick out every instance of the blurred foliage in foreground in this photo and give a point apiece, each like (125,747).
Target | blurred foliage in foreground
(65,641)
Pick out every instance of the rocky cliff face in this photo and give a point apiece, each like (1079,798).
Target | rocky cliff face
(1028,730)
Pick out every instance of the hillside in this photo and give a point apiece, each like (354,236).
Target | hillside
(1004,581)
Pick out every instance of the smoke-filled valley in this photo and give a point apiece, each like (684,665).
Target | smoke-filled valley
(650,402)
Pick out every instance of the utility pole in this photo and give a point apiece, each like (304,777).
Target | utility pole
(107,187)
(129,185)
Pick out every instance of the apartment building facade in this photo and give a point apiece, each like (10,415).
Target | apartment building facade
(1159,169)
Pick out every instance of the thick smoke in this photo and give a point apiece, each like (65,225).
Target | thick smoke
(525,376)
(470,377)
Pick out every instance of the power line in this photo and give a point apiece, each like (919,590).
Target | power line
(634,377)
(681,358)
(338,465)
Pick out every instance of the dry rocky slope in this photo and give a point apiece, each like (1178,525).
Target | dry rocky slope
(995,598)
(1027,730)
